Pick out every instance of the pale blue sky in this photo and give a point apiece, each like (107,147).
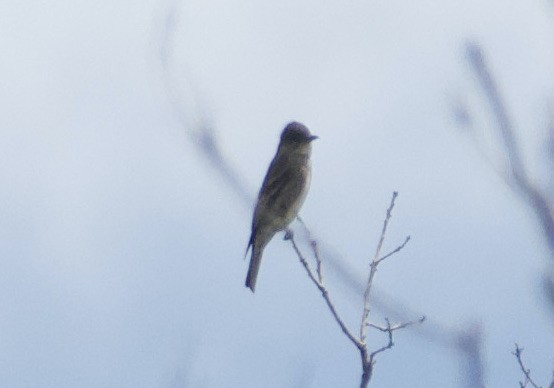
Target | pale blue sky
(121,249)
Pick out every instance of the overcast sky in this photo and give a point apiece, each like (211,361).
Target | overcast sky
(121,249)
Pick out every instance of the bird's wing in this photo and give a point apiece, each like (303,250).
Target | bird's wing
(282,188)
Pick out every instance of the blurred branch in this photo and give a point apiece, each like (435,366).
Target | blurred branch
(505,125)
(367,356)
(518,177)
(470,342)
(189,111)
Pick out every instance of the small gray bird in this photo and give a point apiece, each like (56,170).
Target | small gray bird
(283,191)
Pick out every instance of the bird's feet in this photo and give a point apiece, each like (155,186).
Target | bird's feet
(288,234)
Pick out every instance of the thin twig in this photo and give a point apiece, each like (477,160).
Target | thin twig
(373,266)
(398,326)
(432,331)
(389,330)
(526,372)
(319,270)
(369,360)
(389,345)
(398,248)
(325,294)
(367,357)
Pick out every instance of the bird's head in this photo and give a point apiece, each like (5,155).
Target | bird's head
(296,133)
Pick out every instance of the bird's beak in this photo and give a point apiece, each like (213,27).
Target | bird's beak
(312,138)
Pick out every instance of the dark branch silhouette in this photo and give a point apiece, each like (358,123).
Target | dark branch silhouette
(526,372)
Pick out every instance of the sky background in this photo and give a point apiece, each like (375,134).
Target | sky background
(121,248)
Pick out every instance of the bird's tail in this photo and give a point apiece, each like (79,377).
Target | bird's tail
(254,267)
(250,244)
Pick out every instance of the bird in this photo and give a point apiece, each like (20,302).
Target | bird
(283,192)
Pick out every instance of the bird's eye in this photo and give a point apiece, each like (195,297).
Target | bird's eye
(295,137)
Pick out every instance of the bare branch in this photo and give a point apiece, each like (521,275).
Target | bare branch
(369,360)
(526,372)
(385,226)
(397,249)
(465,342)
(367,357)
(323,291)
(389,329)
(373,266)
(389,345)
(315,248)
(397,326)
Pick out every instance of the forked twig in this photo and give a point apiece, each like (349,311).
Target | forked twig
(367,357)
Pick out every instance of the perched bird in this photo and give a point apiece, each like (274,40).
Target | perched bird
(283,191)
